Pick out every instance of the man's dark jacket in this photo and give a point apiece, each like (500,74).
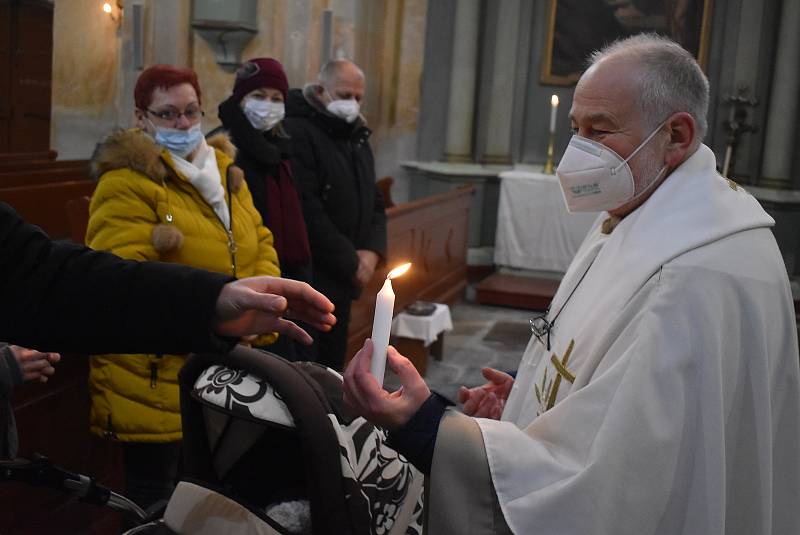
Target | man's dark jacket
(343,208)
(58,296)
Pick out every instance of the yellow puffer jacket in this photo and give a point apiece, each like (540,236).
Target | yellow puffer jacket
(143,209)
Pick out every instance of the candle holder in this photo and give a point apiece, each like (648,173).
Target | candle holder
(548,164)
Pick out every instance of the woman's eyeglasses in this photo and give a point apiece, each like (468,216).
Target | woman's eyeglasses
(191,114)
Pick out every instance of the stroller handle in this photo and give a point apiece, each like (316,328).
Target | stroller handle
(40,471)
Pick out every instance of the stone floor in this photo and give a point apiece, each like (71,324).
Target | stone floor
(481,336)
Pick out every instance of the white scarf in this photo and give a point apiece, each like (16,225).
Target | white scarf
(203,173)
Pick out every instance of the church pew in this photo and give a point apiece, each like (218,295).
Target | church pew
(45,204)
(16,158)
(432,234)
(32,173)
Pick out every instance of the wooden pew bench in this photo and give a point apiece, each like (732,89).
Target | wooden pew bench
(432,234)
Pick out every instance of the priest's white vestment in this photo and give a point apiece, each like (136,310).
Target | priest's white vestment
(668,402)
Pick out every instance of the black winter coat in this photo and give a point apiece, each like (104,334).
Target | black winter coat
(58,296)
(343,207)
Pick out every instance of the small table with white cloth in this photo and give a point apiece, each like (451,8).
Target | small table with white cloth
(416,336)
(534,229)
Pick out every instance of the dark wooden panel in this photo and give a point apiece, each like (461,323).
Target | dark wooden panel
(5,75)
(432,234)
(32,52)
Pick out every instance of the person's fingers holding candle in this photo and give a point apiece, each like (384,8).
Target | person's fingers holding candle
(354,380)
(365,396)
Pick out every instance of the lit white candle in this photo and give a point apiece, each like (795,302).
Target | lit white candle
(553,113)
(382,323)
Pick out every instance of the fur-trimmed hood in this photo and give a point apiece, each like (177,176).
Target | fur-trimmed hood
(133,149)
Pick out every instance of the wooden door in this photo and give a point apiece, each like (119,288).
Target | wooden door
(26,58)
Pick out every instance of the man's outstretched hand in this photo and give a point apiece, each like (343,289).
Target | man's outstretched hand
(258,305)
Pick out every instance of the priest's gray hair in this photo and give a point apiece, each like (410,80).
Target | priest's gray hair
(671,80)
(329,73)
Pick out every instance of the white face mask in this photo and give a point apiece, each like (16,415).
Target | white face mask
(344,109)
(263,114)
(594,178)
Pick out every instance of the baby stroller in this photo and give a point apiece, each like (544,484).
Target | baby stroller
(269,448)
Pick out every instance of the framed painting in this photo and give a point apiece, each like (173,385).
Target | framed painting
(576,28)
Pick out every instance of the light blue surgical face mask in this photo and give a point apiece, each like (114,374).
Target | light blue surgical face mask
(178,142)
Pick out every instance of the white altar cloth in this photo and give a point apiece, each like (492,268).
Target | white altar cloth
(534,229)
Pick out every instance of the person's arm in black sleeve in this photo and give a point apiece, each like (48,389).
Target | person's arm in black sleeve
(326,240)
(10,378)
(416,440)
(64,297)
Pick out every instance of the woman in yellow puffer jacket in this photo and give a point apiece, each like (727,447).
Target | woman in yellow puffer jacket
(165,194)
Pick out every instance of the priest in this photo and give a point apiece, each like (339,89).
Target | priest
(660,392)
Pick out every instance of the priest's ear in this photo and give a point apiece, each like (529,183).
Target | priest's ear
(682,131)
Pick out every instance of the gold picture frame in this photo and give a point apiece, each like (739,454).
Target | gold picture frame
(575,28)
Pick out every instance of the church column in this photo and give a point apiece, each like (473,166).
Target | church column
(170,26)
(500,102)
(776,167)
(461,106)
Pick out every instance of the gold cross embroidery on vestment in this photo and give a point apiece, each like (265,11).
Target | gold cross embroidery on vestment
(547,392)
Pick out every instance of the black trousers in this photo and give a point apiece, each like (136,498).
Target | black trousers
(151,470)
(331,347)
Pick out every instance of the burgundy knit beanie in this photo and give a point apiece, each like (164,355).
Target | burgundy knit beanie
(257,73)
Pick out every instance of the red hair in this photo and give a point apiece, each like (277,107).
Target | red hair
(162,77)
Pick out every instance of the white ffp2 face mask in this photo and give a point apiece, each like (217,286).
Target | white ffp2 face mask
(263,114)
(347,110)
(594,178)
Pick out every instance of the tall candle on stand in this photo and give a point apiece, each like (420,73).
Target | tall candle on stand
(553,113)
(551,139)
(382,323)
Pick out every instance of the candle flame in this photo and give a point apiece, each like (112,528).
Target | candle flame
(554,101)
(106,7)
(399,270)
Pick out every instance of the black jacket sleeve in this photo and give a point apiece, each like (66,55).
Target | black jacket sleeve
(416,440)
(59,296)
(326,240)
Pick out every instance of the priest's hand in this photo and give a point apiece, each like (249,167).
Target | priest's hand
(365,397)
(489,400)
(258,305)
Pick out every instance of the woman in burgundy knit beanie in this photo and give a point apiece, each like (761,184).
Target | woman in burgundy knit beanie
(252,115)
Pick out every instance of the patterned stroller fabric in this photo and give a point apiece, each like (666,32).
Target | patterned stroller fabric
(275,439)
